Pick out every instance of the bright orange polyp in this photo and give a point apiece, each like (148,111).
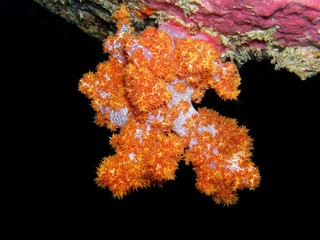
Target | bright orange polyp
(145,90)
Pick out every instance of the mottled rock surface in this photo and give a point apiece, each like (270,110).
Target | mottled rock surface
(296,21)
(285,31)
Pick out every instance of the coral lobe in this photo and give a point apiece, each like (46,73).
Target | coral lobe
(146,89)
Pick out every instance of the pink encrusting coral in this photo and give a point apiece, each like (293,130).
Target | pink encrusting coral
(146,90)
(296,22)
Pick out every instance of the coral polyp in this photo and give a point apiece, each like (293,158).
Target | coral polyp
(145,93)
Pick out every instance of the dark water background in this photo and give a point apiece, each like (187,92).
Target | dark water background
(50,146)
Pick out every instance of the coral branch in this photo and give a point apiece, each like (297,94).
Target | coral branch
(146,89)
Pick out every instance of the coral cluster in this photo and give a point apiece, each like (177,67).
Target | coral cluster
(144,93)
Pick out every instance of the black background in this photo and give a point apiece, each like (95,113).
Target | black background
(50,146)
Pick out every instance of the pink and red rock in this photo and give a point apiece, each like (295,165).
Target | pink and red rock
(297,21)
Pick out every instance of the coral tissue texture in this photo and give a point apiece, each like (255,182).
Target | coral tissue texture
(146,90)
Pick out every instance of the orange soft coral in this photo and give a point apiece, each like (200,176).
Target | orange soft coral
(146,89)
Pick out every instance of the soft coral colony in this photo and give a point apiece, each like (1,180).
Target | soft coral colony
(145,90)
